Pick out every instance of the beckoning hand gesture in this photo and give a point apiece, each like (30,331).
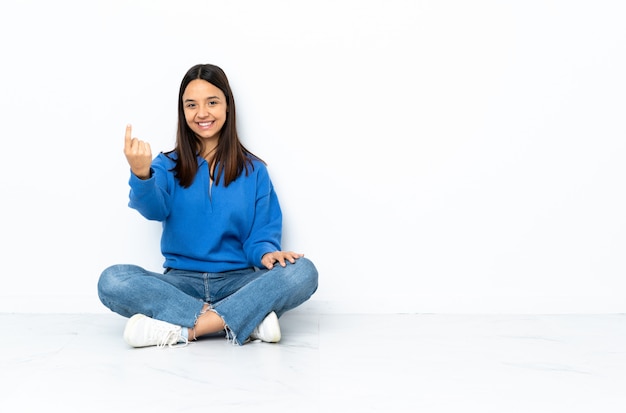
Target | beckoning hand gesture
(138,154)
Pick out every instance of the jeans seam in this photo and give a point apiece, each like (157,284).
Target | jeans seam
(207,287)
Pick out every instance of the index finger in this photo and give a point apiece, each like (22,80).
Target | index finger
(128,136)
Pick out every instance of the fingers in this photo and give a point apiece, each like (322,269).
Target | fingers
(268,261)
(138,154)
(280,257)
(291,256)
(281,261)
(139,147)
(128,136)
(133,146)
(128,140)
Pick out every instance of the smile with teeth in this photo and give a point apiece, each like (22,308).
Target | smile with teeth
(205,125)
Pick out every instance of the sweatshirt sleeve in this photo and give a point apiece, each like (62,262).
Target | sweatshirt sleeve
(149,196)
(266,232)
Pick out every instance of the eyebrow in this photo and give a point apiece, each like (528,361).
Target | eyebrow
(209,98)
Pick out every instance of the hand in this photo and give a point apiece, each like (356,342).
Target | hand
(138,154)
(271,258)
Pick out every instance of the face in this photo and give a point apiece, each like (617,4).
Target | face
(205,109)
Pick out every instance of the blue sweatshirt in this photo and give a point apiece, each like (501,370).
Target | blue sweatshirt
(210,228)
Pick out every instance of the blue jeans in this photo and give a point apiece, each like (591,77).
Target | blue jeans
(242,297)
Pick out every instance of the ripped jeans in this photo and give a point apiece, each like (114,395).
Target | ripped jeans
(242,297)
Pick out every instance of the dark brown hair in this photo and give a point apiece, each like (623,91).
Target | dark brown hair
(231,157)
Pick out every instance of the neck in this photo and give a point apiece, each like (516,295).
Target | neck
(209,153)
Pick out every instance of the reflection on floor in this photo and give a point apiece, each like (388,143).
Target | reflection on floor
(325,363)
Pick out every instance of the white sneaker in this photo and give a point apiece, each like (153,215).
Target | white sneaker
(143,331)
(268,330)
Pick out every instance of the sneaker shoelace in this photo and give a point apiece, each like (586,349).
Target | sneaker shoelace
(165,336)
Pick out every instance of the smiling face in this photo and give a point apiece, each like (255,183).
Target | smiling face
(205,111)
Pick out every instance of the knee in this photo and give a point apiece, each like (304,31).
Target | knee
(113,278)
(307,273)
(107,281)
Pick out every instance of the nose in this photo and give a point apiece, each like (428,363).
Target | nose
(203,111)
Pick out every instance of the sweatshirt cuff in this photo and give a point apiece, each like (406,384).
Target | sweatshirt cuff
(135,179)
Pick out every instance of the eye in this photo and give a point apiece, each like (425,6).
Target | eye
(190,105)
(213,102)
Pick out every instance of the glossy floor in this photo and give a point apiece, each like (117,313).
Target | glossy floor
(325,363)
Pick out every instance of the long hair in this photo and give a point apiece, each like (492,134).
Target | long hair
(231,157)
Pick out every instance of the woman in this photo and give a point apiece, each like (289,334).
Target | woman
(221,239)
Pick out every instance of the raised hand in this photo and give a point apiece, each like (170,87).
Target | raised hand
(138,154)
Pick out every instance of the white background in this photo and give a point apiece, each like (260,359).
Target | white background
(430,156)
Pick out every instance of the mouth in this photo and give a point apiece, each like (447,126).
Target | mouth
(205,125)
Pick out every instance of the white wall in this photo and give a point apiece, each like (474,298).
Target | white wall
(431,156)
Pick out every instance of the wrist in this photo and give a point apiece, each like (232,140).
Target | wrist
(143,175)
